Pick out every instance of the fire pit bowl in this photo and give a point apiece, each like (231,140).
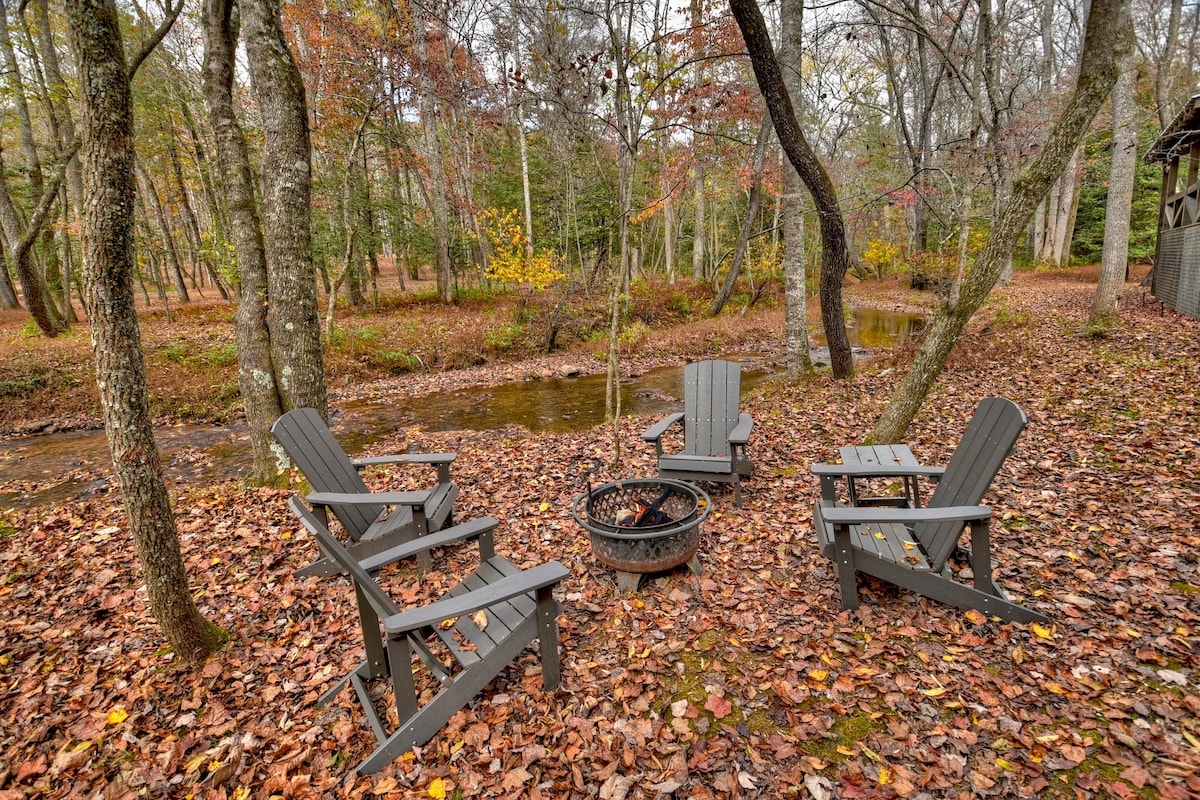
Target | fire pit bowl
(643,525)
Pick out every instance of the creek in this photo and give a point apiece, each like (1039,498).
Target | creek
(60,467)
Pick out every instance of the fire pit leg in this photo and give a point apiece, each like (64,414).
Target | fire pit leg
(628,581)
(694,564)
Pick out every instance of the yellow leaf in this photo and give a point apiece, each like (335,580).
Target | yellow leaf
(879,535)
(976,617)
(241,793)
(846,751)
(1054,688)
(936,691)
(84,745)
(1133,633)
(1002,764)
(194,764)
(447,624)
(1042,631)
(818,675)
(909,545)
(213,766)
(885,776)
(544,507)
(1046,738)
(117,716)
(437,789)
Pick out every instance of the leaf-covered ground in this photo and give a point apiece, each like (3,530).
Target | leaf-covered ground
(748,681)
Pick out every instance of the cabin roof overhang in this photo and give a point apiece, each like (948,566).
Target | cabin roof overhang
(1178,137)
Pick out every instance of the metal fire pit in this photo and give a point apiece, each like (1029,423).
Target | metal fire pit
(635,550)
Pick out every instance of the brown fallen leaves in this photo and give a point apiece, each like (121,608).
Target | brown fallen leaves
(748,681)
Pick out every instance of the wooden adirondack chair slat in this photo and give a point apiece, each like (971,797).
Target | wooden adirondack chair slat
(910,546)
(518,604)
(371,527)
(714,432)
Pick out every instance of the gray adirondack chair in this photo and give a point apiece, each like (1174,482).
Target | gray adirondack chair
(517,605)
(715,434)
(373,521)
(911,546)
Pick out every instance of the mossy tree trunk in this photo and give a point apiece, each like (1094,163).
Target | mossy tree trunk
(108,265)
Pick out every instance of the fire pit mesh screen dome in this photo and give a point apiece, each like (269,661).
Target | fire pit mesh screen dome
(663,541)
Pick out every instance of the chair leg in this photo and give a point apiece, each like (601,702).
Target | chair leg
(547,623)
(843,563)
(420,727)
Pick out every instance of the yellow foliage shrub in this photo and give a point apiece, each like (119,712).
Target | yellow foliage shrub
(510,260)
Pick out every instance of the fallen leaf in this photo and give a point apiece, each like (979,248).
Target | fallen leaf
(719,706)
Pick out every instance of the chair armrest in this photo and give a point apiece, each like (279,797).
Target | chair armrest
(655,431)
(523,582)
(741,432)
(369,499)
(455,533)
(857,515)
(440,460)
(405,458)
(875,470)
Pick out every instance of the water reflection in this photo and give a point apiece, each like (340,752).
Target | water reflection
(872,329)
(556,405)
(61,467)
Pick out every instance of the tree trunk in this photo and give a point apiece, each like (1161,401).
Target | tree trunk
(751,222)
(795,279)
(438,190)
(1162,78)
(37,298)
(191,226)
(256,372)
(157,274)
(59,90)
(1114,262)
(1097,73)
(292,317)
(108,262)
(164,227)
(834,259)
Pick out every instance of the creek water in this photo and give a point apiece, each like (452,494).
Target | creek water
(59,467)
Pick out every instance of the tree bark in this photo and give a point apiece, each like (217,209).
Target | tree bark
(834,259)
(1114,263)
(36,295)
(1097,73)
(292,317)
(108,262)
(795,278)
(256,371)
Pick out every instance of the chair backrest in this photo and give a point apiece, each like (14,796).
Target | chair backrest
(986,443)
(368,589)
(711,390)
(310,444)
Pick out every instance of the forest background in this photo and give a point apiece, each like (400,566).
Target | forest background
(530,158)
